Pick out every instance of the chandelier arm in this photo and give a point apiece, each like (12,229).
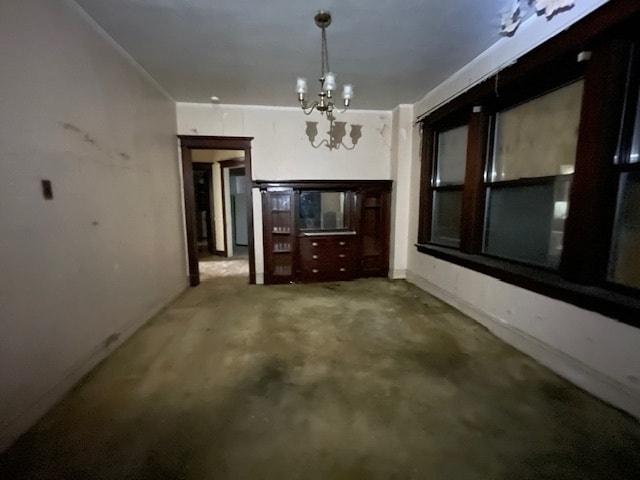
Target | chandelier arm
(307,111)
(323,142)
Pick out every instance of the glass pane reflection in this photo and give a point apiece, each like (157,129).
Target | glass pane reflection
(322,210)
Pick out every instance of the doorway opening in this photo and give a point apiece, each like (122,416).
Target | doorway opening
(204,205)
(234,200)
(218,206)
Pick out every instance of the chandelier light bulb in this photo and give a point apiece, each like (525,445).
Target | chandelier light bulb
(347,92)
(301,85)
(329,82)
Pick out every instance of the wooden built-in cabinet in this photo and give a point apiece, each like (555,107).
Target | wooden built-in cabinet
(374,231)
(279,227)
(318,231)
(327,257)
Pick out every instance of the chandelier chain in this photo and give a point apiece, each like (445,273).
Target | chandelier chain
(325,54)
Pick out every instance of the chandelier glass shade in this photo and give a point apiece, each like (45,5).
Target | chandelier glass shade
(327,79)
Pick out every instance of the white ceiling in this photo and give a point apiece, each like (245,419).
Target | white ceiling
(251,51)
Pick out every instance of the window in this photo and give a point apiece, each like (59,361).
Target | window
(624,266)
(447,184)
(541,186)
(624,259)
(530,176)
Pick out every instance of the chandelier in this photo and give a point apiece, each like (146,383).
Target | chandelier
(327,79)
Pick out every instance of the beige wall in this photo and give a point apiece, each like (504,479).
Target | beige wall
(281,149)
(81,272)
(401,161)
(597,353)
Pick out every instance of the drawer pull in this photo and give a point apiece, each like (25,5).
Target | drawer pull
(314,244)
(342,244)
(315,257)
(342,255)
(342,269)
(315,270)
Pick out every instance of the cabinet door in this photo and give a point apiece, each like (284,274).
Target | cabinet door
(374,231)
(278,234)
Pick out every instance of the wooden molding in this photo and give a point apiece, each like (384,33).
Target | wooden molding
(195,142)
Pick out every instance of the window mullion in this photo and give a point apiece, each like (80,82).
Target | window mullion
(473,196)
(592,199)
(426,190)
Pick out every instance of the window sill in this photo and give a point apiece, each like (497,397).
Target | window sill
(625,308)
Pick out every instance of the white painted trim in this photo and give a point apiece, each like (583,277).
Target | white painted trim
(29,416)
(578,373)
(126,55)
(398,274)
(232,106)
(259,278)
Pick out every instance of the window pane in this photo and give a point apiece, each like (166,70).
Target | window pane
(445,228)
(322,210)
(539,137)
(452,156)
(624,264)
(526,223)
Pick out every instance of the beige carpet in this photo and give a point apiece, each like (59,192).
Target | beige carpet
(369,380)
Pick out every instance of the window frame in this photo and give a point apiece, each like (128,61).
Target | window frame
(438,130)
(514,184)
(564,78)
(631,113)
(581,278)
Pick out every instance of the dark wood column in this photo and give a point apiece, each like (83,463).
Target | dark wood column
(592,200)
(473,195)
(426,194)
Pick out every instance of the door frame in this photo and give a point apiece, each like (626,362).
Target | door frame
(198,142)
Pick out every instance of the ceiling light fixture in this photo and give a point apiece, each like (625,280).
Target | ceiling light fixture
(327,79)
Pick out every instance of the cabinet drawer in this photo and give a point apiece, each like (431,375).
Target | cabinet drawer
(326,245)
(327,273)
(327,258)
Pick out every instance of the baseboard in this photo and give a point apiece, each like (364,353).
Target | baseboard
(568,367)
(221,253)
(29,416)
(398,274)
